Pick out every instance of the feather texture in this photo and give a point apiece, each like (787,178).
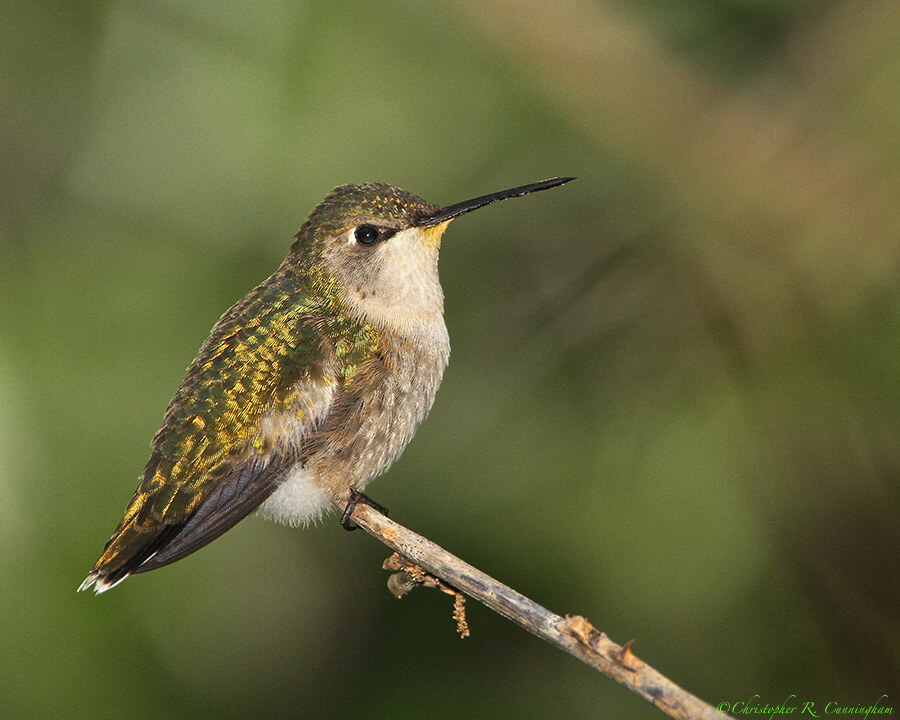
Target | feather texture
(261,385)
(318,378)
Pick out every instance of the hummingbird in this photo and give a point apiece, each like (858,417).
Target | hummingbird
(306,389)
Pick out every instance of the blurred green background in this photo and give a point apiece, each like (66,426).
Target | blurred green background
(673,404)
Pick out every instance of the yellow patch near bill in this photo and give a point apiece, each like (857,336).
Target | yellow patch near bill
(433,235)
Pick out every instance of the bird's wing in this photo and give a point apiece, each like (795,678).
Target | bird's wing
(214,460)
(227,502)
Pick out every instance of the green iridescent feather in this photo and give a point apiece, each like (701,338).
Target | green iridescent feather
(290,334)
(277,336)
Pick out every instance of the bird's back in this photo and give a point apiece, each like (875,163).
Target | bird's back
(261,385)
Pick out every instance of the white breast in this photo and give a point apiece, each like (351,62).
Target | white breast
(405,293)
(297,501)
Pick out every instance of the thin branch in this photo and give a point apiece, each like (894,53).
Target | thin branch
(574,634)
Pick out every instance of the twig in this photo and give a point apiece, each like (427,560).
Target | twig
(574,634)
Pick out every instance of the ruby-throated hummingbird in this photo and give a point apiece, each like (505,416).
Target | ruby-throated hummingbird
(308,388)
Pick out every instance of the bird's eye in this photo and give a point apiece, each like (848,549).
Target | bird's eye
(367,234)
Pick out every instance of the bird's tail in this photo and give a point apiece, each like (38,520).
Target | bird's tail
(148,538)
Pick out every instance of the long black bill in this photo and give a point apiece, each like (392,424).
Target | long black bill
(452,211)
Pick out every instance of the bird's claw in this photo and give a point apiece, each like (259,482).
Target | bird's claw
(357,497)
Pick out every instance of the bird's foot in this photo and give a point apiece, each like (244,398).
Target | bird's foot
(357,497)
